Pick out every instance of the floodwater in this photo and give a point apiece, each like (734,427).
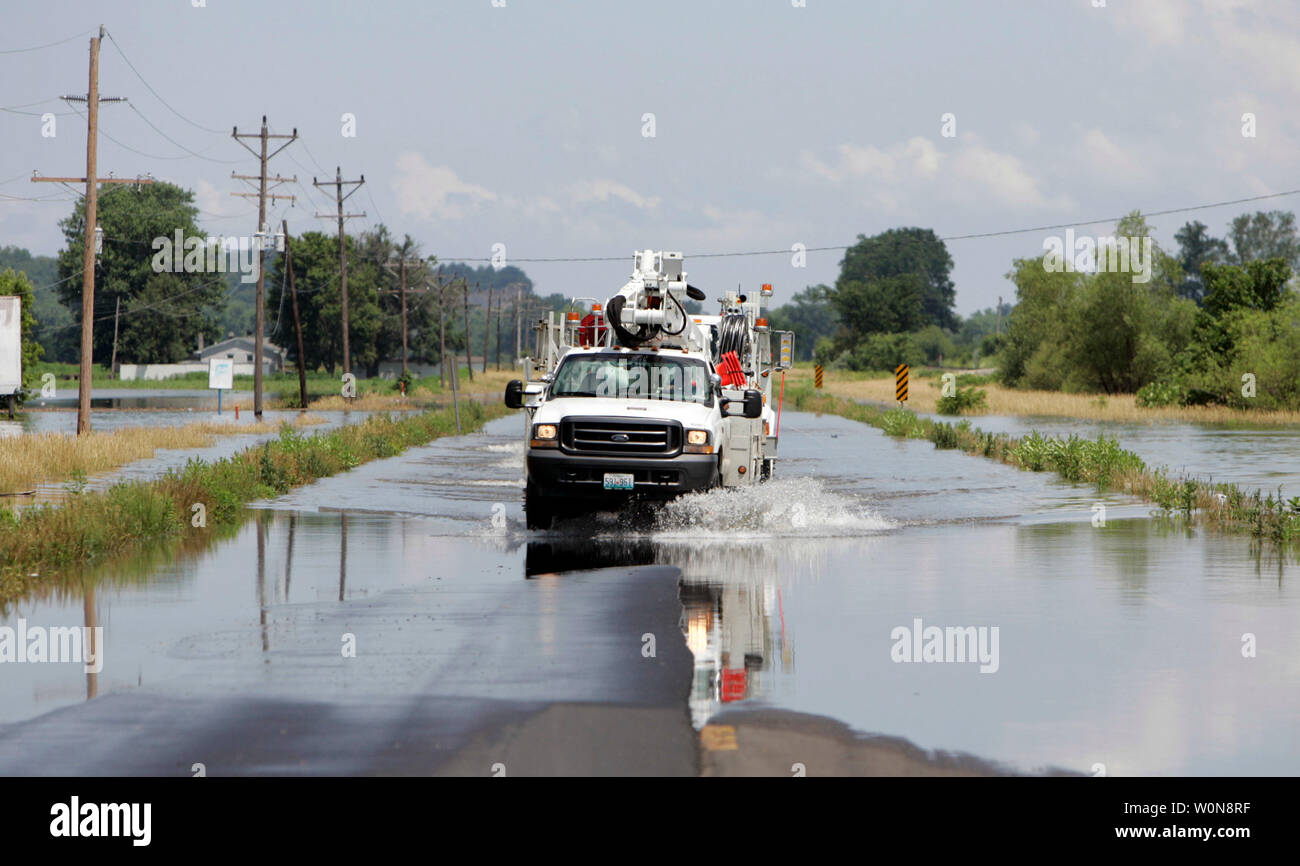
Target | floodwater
(151,398)
(1137,645)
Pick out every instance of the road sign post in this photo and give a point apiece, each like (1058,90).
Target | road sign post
(900,383)
(221,376)
(817,375)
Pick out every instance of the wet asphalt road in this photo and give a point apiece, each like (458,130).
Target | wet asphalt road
(584,699)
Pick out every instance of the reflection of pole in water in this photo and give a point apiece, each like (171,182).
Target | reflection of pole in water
(343,557)
(91,620)
(288,560)
(261,583)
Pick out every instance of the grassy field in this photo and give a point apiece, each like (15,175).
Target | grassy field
(422,393)
(320,385)
(1098,461)
(43,458)
(41,545)
(925,389)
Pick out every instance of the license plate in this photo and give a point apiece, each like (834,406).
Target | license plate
(619,481)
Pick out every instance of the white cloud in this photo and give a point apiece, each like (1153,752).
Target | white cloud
(915,158)
(603,191)
(221,203)
(1001,176)
(434,191)
(1157,22)
(1026,134)
(1107,158)
(967,170)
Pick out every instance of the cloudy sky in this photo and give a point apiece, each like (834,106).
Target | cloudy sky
(524,122)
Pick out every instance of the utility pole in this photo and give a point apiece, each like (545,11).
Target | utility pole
(262,235)
(338,183)
(117,312)
(92,182)
(442,332)
(469,360)
(402,291)
(297,322)
(499,312)
(519,321)
(999,330)
(487,329)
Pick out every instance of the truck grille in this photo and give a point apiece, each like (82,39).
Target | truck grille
(621,438)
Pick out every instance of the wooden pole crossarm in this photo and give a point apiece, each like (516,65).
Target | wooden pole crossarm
(292,198)
(97,180)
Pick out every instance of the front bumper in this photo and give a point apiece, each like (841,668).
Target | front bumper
(555,473)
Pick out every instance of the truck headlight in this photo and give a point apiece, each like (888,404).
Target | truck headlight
(545,436)
(697,442)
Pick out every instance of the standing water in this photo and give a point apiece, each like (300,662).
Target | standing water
(1133,644)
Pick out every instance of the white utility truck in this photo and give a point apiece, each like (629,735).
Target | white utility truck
(639,400)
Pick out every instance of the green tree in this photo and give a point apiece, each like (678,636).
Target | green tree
(886,305)
(162,314)
(1124,334)
(898,280)
(316,274)
(1261,284)
(1195,247)
(1265,235)
(810,315)
(14,283)
(1033,351)
(1097,331)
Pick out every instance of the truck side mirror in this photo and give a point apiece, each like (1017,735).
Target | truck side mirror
(753,403)
(514,394)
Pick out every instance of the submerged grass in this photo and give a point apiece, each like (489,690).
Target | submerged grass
(36,543)
(1099,461)
(38,458)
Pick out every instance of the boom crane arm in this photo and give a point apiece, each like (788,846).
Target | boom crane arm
(647,308)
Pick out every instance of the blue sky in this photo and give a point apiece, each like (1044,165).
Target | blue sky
(774,124)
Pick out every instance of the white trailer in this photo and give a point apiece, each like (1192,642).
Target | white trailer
(11,348)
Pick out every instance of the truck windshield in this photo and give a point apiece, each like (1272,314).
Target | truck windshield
(633,376)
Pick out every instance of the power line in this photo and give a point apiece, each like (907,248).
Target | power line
(313,158)
(156,94)
(375,205)
(842,247)
(177,143)
(149,307)
(5,197)
(81,35)
(1117,219)
(16,109)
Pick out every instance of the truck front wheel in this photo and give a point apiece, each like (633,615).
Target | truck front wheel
(538,511)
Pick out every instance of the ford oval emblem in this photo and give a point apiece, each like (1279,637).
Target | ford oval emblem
(619,437)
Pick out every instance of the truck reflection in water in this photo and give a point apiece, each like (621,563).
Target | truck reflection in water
(732,607)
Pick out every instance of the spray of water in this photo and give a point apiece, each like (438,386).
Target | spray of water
(794,507)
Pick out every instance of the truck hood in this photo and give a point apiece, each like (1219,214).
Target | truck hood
(554,411)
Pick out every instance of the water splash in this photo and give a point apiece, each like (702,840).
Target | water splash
(795,507)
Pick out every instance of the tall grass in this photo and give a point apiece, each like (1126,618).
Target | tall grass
(1099,461)
(28,460)
(926,393)
(38,542)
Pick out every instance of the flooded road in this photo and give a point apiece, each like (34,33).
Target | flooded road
(1118,646)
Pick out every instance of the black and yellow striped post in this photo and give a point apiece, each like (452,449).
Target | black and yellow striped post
(817,375)
(900,379)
